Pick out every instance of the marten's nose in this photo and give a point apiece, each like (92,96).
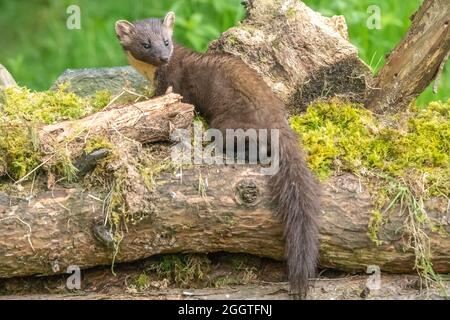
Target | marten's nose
(164,59)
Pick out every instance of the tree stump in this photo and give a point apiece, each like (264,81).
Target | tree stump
(302,55)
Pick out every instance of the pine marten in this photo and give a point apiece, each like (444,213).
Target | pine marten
(231,95)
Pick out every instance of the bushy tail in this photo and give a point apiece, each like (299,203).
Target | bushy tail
(295,190)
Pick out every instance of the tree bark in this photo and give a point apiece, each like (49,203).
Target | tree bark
(302,55)
(144,122)
(416,60)
(56,229)
(208,209)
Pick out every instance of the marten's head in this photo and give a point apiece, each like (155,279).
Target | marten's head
(149,40)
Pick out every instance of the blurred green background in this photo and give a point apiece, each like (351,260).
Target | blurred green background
(36,46)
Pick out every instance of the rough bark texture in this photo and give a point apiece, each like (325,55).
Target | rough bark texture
(145,122)
(416,60)
(300,54)
(55,229)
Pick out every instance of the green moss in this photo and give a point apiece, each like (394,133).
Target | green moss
(225,281)
(408,155)
(325,129)
(375,223)
(183,270)
(202,121)
(344,137)
(239,277)
(291,12)
(232,40)
(23,111)
(64,166)
(19,149)
(45,107)
(142,282)
(149,171)
(97,143)
(101,99)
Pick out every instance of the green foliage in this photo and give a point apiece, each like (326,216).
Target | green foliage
(38,46)
(374,44)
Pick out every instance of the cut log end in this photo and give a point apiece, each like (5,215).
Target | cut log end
(314,60)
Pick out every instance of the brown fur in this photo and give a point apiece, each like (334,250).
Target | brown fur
(231,95)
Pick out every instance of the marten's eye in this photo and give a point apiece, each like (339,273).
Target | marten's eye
(147,45)
(166,42)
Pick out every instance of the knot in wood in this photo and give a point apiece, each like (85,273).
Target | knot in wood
(247,193)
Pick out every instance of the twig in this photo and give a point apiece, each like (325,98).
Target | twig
(116,251)
(136,94)
(106,205)
(97,113)
(95,198)
(36,168)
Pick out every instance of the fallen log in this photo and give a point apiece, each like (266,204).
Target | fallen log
(144,122)
(56,229)
(204,209)
(198,209)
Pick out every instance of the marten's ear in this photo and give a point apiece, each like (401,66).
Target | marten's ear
(124,30)
(169,20)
